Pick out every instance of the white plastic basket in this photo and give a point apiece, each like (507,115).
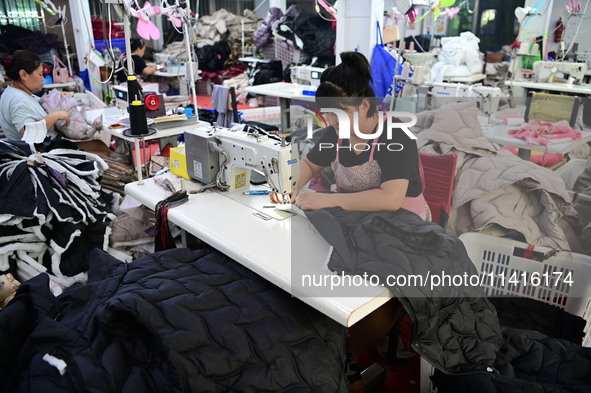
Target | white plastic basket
(268,51)
(505,272)
(287,53)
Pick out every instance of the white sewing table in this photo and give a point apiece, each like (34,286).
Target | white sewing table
(281,251)
(113,115)
(64,85)
(556,87)
(498,134)
(286,92)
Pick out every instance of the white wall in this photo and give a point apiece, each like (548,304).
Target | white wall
(356,25)
(80,13)
(535,25)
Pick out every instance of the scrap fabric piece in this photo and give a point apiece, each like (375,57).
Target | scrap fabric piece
(52,209)
(163,238)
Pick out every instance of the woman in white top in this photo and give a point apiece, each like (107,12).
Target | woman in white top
(18,106)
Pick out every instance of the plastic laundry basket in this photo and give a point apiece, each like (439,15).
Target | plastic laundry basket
(287,53)
(499,259)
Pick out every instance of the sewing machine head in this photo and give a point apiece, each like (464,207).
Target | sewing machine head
(433,95)
(306,75)
(554,71)
(225,158)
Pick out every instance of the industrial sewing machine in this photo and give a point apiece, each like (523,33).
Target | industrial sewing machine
(306,75)
(434,95)
(559,71)
(225,157)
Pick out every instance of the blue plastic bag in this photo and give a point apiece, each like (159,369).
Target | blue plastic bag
(383,67)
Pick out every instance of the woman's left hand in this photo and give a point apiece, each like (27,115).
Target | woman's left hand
(314,200)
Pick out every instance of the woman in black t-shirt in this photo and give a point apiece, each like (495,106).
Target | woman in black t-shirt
(138,49)
(381,174)
(372,174)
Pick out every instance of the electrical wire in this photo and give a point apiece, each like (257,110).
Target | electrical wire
(317,9)
(251,12)
(218,178)
(416,42)
(577,32)
(87,59)
(57,18)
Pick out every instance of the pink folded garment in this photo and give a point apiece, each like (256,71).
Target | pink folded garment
(537,132)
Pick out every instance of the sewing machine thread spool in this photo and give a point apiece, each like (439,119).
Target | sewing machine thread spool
(138,121)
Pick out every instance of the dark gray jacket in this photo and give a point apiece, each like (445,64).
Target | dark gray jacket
(454,327)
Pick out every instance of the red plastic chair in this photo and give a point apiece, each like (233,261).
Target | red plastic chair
(439,172)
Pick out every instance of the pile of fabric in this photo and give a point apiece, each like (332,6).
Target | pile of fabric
(14,37)
(175,321)
(177,49)
(77,128)
(52,210)
(495,192)
(272,22)
(496,73)
(225,26)
(455,327)
(305,31)
(460,56)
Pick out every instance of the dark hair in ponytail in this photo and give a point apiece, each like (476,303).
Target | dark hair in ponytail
(347,83)
(19,60)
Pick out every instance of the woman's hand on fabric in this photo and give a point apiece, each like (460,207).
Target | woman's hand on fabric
(314,200)
(278,198)
(63,115)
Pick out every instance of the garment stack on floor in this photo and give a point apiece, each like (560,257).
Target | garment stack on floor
(52,210)
(455,328)
(175,321)
(495,192)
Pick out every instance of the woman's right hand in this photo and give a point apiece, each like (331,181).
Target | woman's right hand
(278,198)
(63,115)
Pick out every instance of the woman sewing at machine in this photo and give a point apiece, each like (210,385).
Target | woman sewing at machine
(18,105)
(138,49)
(370,176)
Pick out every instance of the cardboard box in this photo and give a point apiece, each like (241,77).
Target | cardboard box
(494,57)
(178,162)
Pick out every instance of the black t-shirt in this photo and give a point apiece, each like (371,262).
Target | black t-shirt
(138,66)
(398,157)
